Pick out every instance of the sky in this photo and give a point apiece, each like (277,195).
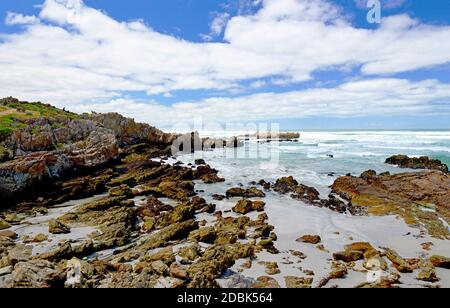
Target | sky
(305,64)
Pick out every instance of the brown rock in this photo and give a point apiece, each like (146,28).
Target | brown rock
(265,282)
(8,234)
(298,282)
(348,256)
(310,239)
(244,206)
(258,205)
(440,261)
(57,227)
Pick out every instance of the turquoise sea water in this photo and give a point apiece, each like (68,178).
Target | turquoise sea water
(310,159)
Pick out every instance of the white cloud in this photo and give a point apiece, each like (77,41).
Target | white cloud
(79,56)
(355,98)
(19,19)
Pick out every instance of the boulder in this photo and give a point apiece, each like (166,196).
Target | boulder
(348,256)
(298,282)
(57,227)
(120,191)
(427,272)
(204,235)
(265,282)
(423,162)
(243,207)
(421,198)
(4,224)
(440,261)
(310,239)
(258,206)
(8,234)
(399,263)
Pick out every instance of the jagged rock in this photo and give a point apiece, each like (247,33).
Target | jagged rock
(205,235)
(399,263)
(407,195)
(271,268)
(212,178)
(235,192)
(254,192)
(305,193)
(310,239)
(369,174)
(440,261)
(298,282)
(214,262)
(251,192)
(368,250)
(243,206)
(189,253)
(265,282)
(424,162)
(19,253)
(4,224)
(285,185)
(62,251)
(40,238)
(348,256)
(258,206)
(427,272)
(178,271)
(177,190)
(237,281)
(36,274)
(121,191)
(166,255)
(57,227)
(200,162)
(128,132)
(36,169)
(218,197)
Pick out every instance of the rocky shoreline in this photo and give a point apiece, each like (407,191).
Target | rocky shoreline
(98,201)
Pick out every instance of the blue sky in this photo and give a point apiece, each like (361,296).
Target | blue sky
(305,64)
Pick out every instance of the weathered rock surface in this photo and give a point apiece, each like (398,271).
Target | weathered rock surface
(310,239)
(421,199)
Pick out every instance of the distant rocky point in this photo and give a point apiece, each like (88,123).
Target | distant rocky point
(423,162)
(277,135)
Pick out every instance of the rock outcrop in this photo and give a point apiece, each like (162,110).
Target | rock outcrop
(421,199)
(423,162)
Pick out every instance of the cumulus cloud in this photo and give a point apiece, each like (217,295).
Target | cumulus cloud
(19,19)
(72,54)
(379,96)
